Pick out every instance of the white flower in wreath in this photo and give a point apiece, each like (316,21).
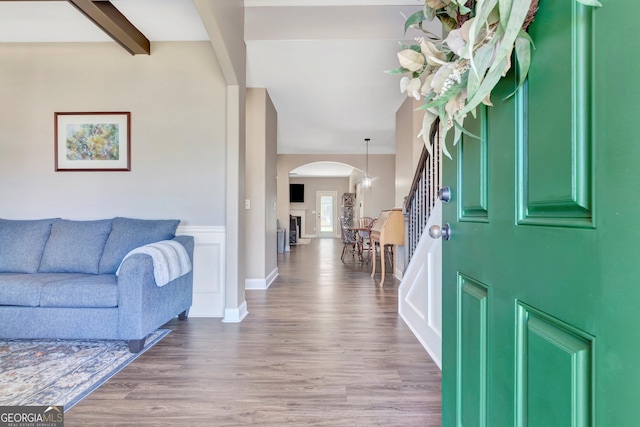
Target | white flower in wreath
(411,86)
(457,44)
(427,86)
(441,79)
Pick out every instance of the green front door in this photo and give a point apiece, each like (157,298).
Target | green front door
(541,275)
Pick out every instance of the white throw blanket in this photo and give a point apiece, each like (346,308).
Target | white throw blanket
(170,260)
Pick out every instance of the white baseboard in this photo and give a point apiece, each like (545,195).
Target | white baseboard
(261,284)
(235,315)
(272,276)
(255,284)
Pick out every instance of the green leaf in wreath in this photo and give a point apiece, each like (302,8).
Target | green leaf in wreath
(523,55)
(445,129)
(399,70)
(519,10)
(414,19)
(445,97)
(483,10)
(504,6)
(448,22)
(482,62)
(491,79)
(425,103)
(427,120)
(527,36)
(463,9)
(459,127)
(513,25)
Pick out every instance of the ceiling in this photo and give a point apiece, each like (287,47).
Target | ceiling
(322,61)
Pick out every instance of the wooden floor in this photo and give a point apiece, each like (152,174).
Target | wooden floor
(323,346)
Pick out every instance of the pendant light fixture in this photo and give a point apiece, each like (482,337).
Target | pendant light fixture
(366,180)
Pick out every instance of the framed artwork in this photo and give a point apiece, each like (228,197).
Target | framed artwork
(92,141)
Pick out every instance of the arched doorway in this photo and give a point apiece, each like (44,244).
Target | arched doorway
(318,187)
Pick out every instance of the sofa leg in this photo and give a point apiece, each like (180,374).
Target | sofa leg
(136,345)
(183,315)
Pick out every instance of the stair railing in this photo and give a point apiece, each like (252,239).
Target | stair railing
(422,197)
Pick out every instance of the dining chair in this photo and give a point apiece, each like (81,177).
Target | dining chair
(350,241)
(365,235)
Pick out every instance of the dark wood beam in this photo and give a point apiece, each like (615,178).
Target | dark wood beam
(115,24)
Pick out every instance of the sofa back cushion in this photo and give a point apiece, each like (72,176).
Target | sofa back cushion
(75,246)
(22,243)
(127,234)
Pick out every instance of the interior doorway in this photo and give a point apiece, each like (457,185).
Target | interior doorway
(326,214)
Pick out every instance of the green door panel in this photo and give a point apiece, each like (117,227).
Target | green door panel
(541,275)
(558,87)
(473,170)
(472,357)
(554,372)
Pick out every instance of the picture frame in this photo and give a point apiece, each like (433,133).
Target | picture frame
(92,141)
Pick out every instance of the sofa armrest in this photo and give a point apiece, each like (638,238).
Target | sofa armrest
(143,306)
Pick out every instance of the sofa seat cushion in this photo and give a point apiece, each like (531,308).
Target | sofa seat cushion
(22,243)
(127,234)
(75,246)
(25,289)
(91,290)
(59,290)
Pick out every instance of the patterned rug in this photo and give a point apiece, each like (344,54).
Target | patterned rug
(61,372)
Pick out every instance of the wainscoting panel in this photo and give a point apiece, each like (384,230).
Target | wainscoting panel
(420,292)
(208,270)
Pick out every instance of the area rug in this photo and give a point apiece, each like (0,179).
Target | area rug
(303,241)
(61,372)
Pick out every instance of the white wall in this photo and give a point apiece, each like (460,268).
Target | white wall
(224,22)
(261,238)
(271,181)
(176,97)
(408,146)
(408,151)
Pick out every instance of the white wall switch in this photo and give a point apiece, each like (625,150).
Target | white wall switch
(247,204)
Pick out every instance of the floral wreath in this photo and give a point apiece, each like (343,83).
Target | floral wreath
(456,74)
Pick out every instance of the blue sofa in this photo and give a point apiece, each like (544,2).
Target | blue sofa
(58,279)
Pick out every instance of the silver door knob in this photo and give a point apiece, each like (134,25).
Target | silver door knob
(444,194)
(435,231)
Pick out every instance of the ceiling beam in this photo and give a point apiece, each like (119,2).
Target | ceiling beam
(115,24)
